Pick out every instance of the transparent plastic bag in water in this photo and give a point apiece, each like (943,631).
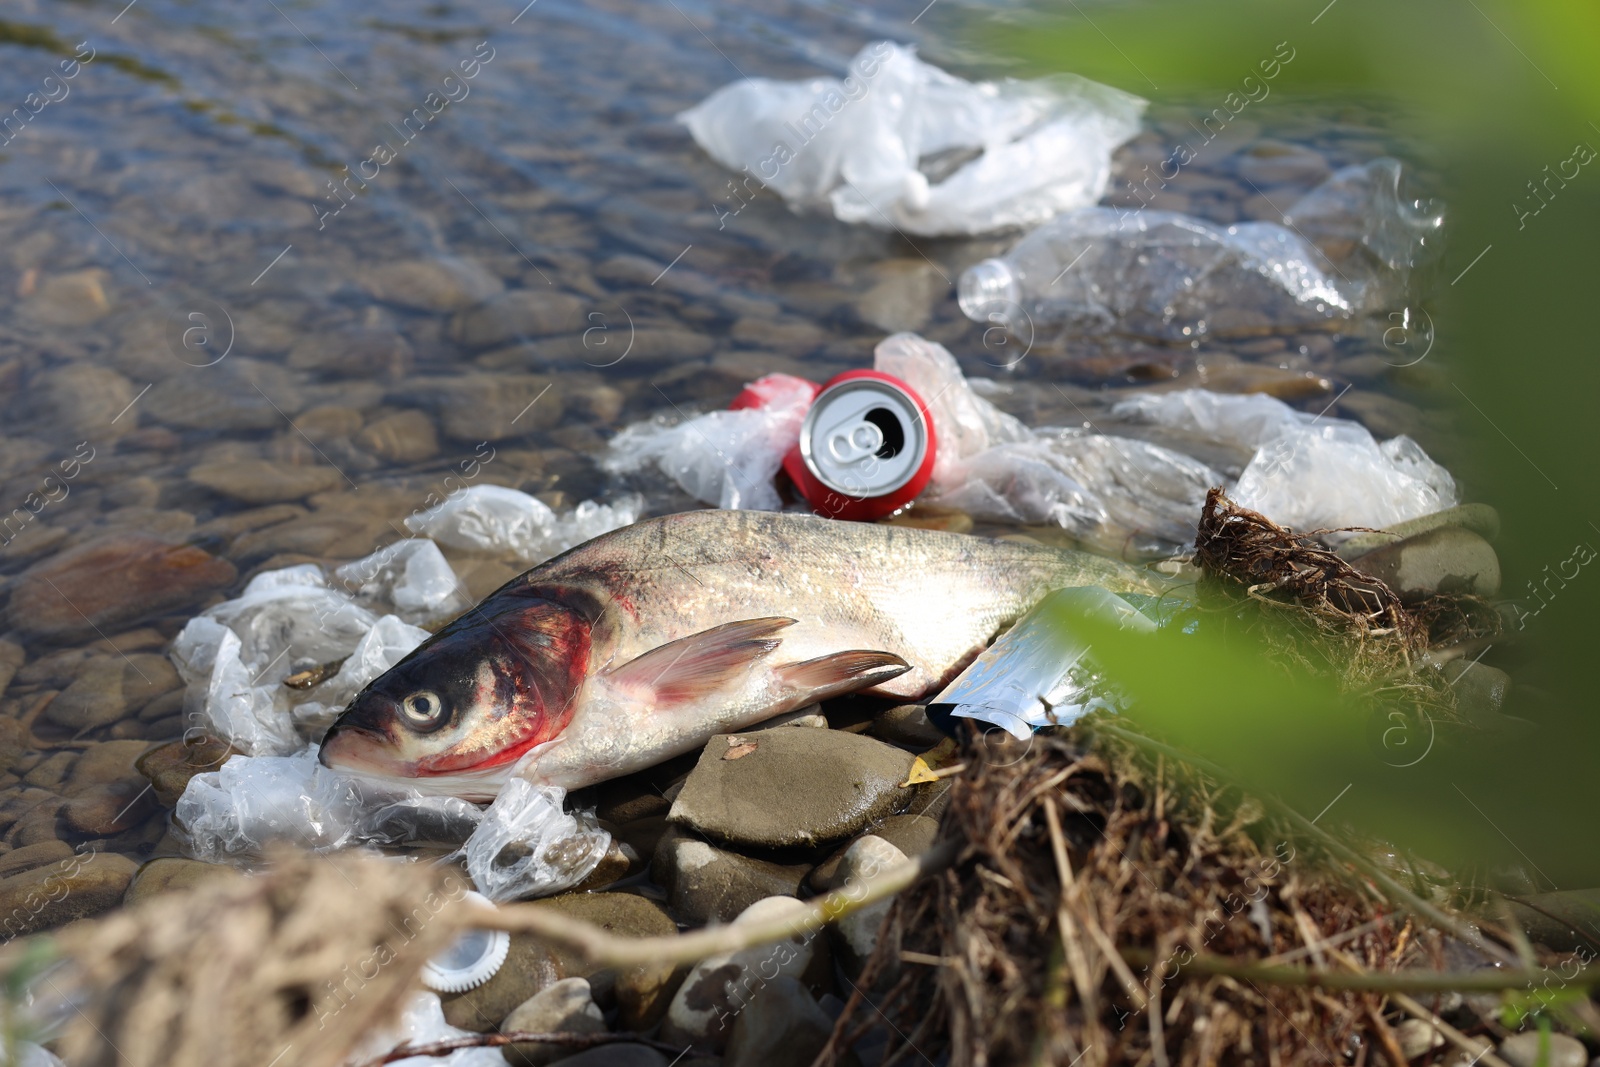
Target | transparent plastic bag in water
(410,577)
(900,144)
(527,845)
(725,458)
(492,518)
(1349,247)
(389,641)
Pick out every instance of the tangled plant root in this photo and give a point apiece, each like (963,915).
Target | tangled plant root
(298,962)
(1074,862)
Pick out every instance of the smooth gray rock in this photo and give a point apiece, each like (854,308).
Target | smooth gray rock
(781,788)
(1526,1050)
(516,314)
(709,884)
(450,283)
(1481,519)
(1447,560)
(782,1026)
(907,724)
(564,1007)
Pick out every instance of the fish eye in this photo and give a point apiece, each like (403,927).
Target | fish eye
(423,710)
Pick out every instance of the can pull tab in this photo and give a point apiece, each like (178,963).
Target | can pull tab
(856,443)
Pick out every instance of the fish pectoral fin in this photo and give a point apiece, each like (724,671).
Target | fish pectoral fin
(691,667)
(842,672)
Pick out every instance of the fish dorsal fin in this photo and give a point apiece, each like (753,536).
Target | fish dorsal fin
(842,672)
(691,667)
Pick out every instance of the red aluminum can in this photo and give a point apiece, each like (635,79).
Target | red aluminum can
(866,447)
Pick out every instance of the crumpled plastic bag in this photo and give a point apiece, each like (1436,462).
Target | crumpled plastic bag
(1119,494)
(900,144)
(725,458)
(410,576)
(390,640)
(546,850)
(1347,248)
(1307,472)
(492,518)
(234,812)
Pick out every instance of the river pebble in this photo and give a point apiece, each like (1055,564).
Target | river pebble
(170,766)
(110,583)
(1450,559)
(710,884)
(529,967)
(719,987)
(490,407)
(643,992)
(781,788)
(906,724)
(565,1006)
(620,1054)
(87,401)
(1481,519)
(76,298)
(173,874)
(857,932)
(1529,1049)
(782,1026)
(403,437)
(446,284)
(257,481)
(74,888)
(373,353)
(111,687)
(517,314)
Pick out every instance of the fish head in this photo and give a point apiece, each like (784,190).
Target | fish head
(468,703)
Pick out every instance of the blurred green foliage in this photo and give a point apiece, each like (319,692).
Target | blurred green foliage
(1490,93)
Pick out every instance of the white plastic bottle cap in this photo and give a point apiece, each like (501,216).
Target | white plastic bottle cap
(472,960)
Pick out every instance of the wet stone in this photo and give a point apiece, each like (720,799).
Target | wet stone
(447,284)
(110,583)
(170,766)
(74,888)
(74,299)
(404,437)
(109,688)
(1446,560)
(257,481)
(223,400)
(793,787)
(11,660)
(530,967)
(172,874)
(709,884)
(565,1007)
(720,987)
(1528,1049)
(88,401)
(1416,1037)
(490,407)
(782,1026)
(906,724)
(517,314)
(356,353)
(643,992)
(104,810)
(620,1054)
(903,295)
(864,860)
(28,857)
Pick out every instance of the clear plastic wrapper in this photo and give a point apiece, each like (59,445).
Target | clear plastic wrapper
(1122,495)
(492,518)
(411,577)
(1036,674)
(422,1022)
(900,144)
(551,849)
(725,458)
(1307,472)
(1349,247)
(389,641)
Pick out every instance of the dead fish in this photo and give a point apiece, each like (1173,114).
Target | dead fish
(643,643)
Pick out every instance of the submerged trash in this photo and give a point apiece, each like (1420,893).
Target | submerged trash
(1345,249)
(491,518)
(900,144)
(1035,674)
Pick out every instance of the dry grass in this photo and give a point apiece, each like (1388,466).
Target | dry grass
(1074,861)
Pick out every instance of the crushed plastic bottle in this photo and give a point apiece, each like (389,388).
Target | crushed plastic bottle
(492,518)
(1347,249)
(900,144)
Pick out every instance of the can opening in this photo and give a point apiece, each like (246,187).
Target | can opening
(894,435)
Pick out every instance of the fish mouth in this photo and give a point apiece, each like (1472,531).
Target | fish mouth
(347,747)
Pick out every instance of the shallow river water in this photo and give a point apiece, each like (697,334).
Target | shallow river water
(240,255)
